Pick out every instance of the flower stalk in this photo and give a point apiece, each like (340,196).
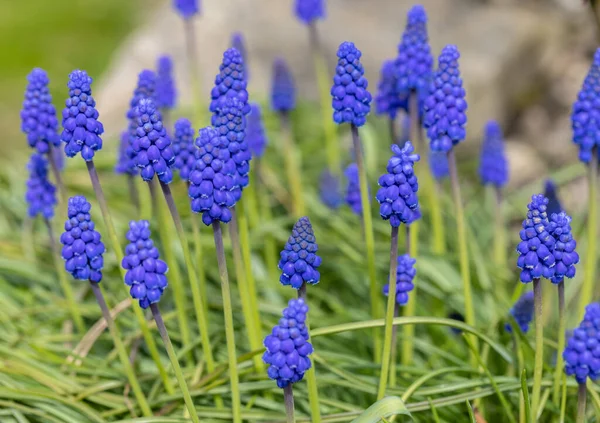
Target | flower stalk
(581,400)
(587,288)
(559,369)
(293,166)
(539,347)
(288,398)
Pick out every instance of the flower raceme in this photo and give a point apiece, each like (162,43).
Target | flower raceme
(308,11)
(564,252)
(493,167)
(386,100)
(550,192)
(522,312)
(438,164)
(255,131)
(582,353)
(125,160)
(38,116)
(299,260)
(165,85)
(41,194)
(187,8)
(230,81)
(183,148)
(353,189)
(238,43)
(283,90)
(405,271)
(330,190)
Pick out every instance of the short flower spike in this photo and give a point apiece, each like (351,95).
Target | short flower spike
(406,273)
(387,101)
(82,129)
(351,99)
(165,85)
(82,244)
(125,159)
(535,249)
(438,163)
(38,116)
(493,167)
(398,193)
(41,194)
(299,260)
(187,8)
(255,131)
(522,312)
(183,148)
(230,82)
(445,107)
(353,189)
(287,347)
(238,43)
(581,355)
(550,192)
(308,11)
(564,252)
(330,190)
(146,272)
(283,90)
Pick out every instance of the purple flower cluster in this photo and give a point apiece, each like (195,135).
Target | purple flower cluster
(493,168)
(125,159)
(329,190)
(564,252)
(550,192)
(255,131)
(183,148)
(38,116)
(187,8)
(309,11)
(82,244)
(82,129)
(287,347)
(238,43)
(405,273)
(353,189)
(386,100)
(41,194)
(283,90)
(582,353)
(398,193)
(230,82)
(522,312)
(438,164)
(299,260)
(165,85)
(351,99)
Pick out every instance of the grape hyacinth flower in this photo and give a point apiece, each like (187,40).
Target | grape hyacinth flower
(187,8)
(551,193)
(41,194)
(564,252)
(165,85)
(438,164)
(299,260)
(238,43)
(82,244)
(493,167)
(353,189)
(405,272)
(330,190)
(308,11)
(145,88)
(522,312)
(38,116)
(255,131)
(125,160)
(82,129)
(386,100)
(283,90)
(183,148)
(230,81)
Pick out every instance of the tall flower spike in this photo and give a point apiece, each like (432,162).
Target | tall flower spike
(145,88)
(493,167)
(438,163)
(187,8)
(522,312)
(535,249)
(330,190)
(125,159)
(287,347)
(585,116)
(398,193)
(405,272)
(146,272)
(582,354)
(299,260)
(82,129)
(230,82)
(353,189)
(165,85)
(41,194)
(255,131)
(351,99)
(152,147)
(283,90)
(445,107)
(550,192)
(564,252)
(308,11)
(183,148)
(38,116)
(386,100)
(238,43)
(82,244)
(413,66)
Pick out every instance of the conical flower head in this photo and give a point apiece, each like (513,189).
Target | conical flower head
(41,194)
(82,129)
(125,157)
(522,312)
(283,90)
(212,177)
(413,67)
(238,43)
(299,260)
(405,274)
(38,116)
(255,131)
(146,272)
(398,193)
(308,11)
(287,347)
(351,99)
(230,82)
(82,244)
(564,252)
(535,249)
(145,88)
(353,189)
(330,190)
(445,106)
(187,8)
(582,353)
(493,167)
(183,148)
(438,164)
(387,101)
(152,146)
(550,192)
(585,116)
(165,85)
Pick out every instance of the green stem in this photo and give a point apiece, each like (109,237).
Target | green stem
(251,200)
(195,218)
(114,240)
(539,348)
(499,240)
(228,315)
(587,288)
(288,399)
(270,249)
(437,221)
(122,352)
(64,282)
(563,400)
(160,324)
(394,351)
(369,238)
(558,371)
(389,317)
(194,72)
(292,166)
(581,399)
(134,196)
(57,176)
(392,130)
(412,232)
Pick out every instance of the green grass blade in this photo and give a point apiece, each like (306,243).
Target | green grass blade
(386,407)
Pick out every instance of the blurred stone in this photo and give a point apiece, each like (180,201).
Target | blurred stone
(524,163)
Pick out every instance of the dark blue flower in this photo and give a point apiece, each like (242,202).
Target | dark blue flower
(386,100)
(405,272)
(165,85)
(353,189)
(438,163)
(152,146)
(82,244)
(82,129)
(299,260)
(522,312)
(283,90)
(145,88)
(564,252)
(585,116)
(41,194)
(535,249)
(146,272)
(187,8)
(445,107)
(238,43)
(287,347)
(330,190)
(550,192)
(183,148)
(125,159)
(309,11)
(255,131)
(230,82)
(582,353)
(38,116)
(351,99)
(398,193)
(493,167)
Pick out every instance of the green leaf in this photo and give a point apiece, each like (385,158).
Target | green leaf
(470,409)
(386,407)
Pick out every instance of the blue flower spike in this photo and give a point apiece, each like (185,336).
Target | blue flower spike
(535,249)
(330,190)
(438,163)
(287,347)
(283,90)
(353,189)
(40,194)
(183,148)
(187,8)
(308,11)
(351,100)
(166,93)
(82,129)
(299,260)
(125,159)
(397,194)
(238,43)
(386,100)
(493,167)
(38,116)
(230,81)
(551,193)
(82,244)
(564,252)
(582,353)
(255,131)
(406,273)
(522,312)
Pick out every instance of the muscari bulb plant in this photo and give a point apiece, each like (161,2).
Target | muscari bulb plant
(522,312)
(352,197)
(187,8)
(551,193)
(387,101)
(41,194)
(166,93)
(405,274)
(330,190)
(238,43)
(183,147)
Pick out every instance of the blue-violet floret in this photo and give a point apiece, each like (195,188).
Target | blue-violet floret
(299,260)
